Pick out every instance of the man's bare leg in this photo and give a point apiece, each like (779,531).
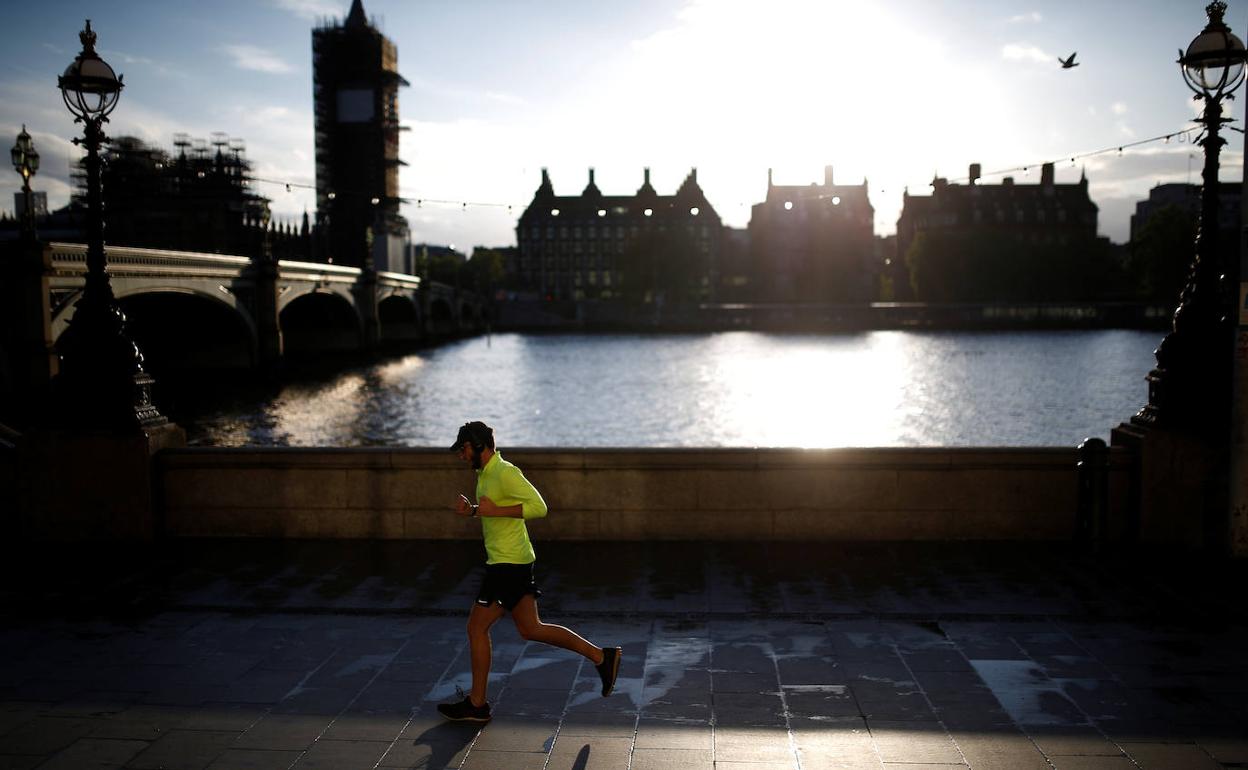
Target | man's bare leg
(479,622)
(532,628)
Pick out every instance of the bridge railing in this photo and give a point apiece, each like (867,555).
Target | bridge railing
(321,272)
(399,280)
(71,258)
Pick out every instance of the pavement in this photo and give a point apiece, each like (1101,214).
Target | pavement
(747,656)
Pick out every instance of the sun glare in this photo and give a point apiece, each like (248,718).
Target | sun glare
(815,393)
(792,85)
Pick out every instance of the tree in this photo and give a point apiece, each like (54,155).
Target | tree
(483,272)
(1161,254)
(1008,266)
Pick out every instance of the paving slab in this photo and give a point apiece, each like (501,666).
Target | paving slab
(254,654)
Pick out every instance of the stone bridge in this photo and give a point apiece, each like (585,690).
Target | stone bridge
(190,310)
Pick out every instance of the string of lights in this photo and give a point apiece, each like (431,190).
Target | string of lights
(402,199)
(1184,135)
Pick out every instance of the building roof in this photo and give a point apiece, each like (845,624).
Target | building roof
(591,201)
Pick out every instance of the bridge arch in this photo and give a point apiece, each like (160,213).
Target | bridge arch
(320,322)
(181,331)
(399,318)
(442,317)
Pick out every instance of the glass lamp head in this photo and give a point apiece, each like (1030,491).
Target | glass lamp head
(1213,64)
(89,86)
(25,158)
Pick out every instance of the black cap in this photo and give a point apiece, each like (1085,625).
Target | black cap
(476,433)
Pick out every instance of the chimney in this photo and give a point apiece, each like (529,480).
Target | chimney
(1046,175)
(769,178)
(591,175)
(827,176)
(646,173)
(973,173)
(1007,182)
(693,175)
(545,177)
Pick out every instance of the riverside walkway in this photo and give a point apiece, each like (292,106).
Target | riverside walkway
(332,654)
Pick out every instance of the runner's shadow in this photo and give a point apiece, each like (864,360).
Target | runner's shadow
(582,758)
(446,743)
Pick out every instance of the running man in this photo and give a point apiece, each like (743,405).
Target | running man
(505,501)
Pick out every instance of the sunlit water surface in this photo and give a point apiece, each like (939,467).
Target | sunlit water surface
(886,388)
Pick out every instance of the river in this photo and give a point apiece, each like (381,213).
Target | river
(732,389)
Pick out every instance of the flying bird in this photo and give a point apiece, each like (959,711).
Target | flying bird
(1069,62)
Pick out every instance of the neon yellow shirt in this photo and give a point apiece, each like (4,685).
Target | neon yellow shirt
(507,539)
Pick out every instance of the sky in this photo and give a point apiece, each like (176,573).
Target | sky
(894,93)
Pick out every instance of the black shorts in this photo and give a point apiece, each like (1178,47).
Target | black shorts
(505,584)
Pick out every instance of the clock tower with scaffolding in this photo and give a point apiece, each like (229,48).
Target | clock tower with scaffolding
(356,94)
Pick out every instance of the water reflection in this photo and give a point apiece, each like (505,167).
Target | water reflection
(886,388)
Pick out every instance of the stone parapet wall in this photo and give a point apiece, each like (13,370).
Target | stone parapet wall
(638,494)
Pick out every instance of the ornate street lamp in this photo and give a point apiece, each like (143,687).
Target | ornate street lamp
(102,382)
(26,161)
(1190,387)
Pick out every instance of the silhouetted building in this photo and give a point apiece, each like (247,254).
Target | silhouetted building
(1186,198)
(38,203)
(1009,241)
(813,243)
(643,247)
(197,198)
(356,99)
(736,272)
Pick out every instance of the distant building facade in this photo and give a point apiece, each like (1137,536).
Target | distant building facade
(355,94)
(643,247)
(1164,229)
(38,204)
(1186,198)
(992,241)
(813,243)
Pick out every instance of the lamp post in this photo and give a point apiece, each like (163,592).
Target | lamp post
(1189,390)
(26,162)
(102,384)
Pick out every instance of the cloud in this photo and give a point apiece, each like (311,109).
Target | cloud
(118,58)
(461,93)
(1027,53)
(256,59)
(1118,108)
(1026,18)
(311,9)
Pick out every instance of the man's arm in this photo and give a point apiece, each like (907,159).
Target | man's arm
(516,487)
(487,507)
